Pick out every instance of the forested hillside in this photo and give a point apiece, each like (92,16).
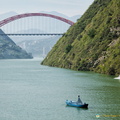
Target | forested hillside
(9,50)
(93,43)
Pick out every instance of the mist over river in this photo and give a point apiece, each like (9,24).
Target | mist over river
(30,91)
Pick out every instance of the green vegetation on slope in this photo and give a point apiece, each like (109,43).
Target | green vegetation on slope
(9,50)
(93,43)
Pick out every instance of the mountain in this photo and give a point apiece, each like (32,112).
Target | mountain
(93,43)
(9,50)
(8,14)
(39,47)
(73,18)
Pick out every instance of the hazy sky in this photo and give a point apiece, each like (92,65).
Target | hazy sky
(67,7)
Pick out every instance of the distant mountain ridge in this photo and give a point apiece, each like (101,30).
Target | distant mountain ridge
(39,47)
(73,18)
(8,14)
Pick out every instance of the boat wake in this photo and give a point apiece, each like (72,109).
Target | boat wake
(117,77)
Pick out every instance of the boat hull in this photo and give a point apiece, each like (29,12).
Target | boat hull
(75,104)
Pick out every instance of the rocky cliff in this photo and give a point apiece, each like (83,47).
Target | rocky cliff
(93,43)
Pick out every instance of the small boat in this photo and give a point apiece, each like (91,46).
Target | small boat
(117,77)
(77,103)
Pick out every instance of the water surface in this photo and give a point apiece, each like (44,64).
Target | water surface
(30,91)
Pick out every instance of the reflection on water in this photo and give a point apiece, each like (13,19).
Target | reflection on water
(29,91)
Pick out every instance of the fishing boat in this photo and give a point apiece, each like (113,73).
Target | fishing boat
(77,103)
(117,77)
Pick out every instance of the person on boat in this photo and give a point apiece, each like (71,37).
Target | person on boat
(79,100)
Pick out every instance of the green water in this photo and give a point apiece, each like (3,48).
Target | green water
(29,91)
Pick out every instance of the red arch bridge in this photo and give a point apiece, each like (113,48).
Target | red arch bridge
(35,24)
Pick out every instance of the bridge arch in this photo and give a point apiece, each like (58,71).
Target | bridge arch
(13,18)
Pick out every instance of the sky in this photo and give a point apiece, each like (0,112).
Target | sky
(67,7)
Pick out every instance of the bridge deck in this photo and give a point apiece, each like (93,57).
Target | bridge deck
(30,34)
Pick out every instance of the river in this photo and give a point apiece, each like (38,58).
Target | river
(30,91)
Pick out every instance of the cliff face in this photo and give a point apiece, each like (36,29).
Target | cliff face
(93,43)
(9,50)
